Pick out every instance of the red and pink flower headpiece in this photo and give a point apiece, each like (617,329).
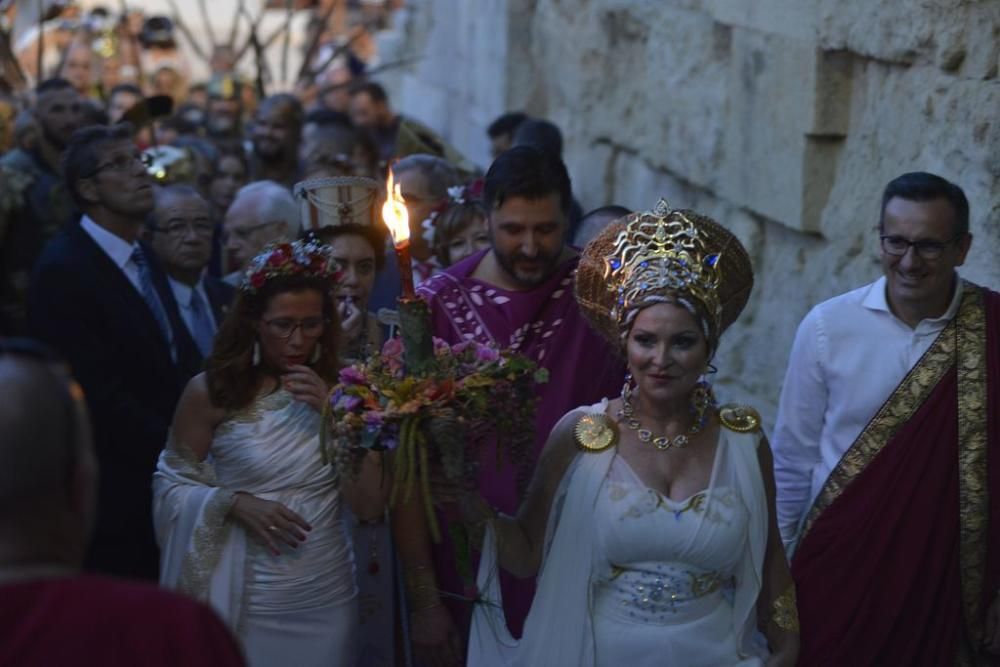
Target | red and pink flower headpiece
(299,258)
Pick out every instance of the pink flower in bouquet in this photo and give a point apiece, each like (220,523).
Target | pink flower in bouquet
(441,347)
(352,375)
(350,403)
(392,348)
(486,354)
(372,418)
(458,348)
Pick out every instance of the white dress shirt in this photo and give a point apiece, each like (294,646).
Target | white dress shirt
(118,249)
(182,293)
(850,354)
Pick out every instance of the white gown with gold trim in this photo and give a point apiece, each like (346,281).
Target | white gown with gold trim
(632,578)
(299,607)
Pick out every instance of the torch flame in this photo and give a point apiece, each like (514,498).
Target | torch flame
(394,213)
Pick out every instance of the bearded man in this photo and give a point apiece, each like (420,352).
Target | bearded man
(518,295)
(34,201)
(276,133)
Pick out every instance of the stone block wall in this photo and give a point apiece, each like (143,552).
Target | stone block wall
(783,119)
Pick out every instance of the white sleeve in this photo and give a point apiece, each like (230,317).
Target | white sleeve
(799,426)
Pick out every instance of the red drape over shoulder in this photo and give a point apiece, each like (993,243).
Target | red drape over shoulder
(878,573)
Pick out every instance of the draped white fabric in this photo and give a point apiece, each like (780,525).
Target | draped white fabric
(299,607)
(633,578)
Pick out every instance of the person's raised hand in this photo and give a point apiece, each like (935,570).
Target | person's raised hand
(305,385)
(351,318)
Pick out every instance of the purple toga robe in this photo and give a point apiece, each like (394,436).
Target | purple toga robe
(544,324)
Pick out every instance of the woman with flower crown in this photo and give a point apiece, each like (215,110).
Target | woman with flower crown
(247,515)
(650,519)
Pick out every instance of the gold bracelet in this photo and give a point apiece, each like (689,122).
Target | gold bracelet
(786,611)
(421,588)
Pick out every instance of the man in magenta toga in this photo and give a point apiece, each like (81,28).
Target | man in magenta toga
(518,294)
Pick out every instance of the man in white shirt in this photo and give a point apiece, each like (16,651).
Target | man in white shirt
(95,297)
(886,445)
(179,230)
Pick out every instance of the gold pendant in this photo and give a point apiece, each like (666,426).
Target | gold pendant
(595,432)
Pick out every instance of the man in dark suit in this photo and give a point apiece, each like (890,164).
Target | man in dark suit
(179,230)
(93,297)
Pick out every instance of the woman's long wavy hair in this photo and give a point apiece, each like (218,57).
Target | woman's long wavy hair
(233,380)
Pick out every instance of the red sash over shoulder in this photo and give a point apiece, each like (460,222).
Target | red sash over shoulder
(901,551)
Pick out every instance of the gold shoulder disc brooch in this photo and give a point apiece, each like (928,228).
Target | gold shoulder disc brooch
(739,418)
(595,432)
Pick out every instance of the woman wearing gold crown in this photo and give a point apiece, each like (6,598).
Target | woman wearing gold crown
(247,514)
(650,519)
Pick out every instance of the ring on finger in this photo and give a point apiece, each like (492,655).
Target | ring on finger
(272,528)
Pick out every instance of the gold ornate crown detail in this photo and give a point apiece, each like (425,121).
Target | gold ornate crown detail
(662,251)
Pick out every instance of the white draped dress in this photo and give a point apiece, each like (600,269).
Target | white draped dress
(633,578)
(297,608)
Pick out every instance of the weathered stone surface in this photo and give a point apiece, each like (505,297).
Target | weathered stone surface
(782,118)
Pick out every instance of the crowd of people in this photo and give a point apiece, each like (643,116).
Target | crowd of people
(178,295)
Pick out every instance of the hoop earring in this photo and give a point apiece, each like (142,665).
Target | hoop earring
(255,359)
(711,370)
(316,353)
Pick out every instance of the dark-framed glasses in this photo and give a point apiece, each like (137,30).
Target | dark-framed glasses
(282,327)
(897,246)
(123,163)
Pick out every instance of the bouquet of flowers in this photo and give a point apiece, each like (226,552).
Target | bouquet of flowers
(440,416)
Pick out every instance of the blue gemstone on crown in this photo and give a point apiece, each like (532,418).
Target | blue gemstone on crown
(712,260)
(616,263)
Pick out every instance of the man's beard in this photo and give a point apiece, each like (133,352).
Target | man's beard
(509,264)
(52,138)
(273,153)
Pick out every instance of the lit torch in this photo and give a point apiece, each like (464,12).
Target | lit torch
(414,315)
(398,221)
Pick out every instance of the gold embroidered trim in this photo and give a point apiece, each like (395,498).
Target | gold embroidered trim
(212,529)
(972,455)
(739,418)
(896,411)
(276,400)
(207,541)
(785,610)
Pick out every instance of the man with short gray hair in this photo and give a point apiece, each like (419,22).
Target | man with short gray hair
(179,230)
(263,212)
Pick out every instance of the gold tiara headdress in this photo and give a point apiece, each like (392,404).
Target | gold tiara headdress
(679,254)
(662,251)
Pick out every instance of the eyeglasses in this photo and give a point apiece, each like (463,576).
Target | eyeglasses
(124,163)
(897,246)
(180,229)
(285,328)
